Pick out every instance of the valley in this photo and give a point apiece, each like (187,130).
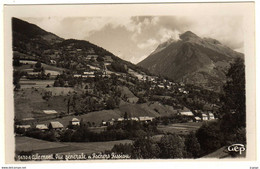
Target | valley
(72,96)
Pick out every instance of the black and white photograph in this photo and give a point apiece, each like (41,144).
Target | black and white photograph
(130,82)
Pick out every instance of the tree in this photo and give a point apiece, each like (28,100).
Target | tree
(111,103)
(38,66)
(47,95)
(125,116)
(100,59)
(234,109)
(192,145)
(172,146)
(210,137)
(144,148)
(16,62)
(17,86)
(123,148)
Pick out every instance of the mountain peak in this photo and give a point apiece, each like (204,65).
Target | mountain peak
(193,60)
(188,35)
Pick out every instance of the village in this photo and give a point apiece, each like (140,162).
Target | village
(56,125)
(34,71)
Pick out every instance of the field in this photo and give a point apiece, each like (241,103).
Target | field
(180,128)
(29,103)
(25,83)
(134,110)
(95,117)
(46,147)
(32,63)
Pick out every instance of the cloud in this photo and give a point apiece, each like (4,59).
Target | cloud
(134,37)
(227,29)
(167,34)
(148,43)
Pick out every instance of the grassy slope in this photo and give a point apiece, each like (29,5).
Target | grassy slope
(134,110)
(46,147)
(180,128)
(46,67)
(30,100)
(31,144)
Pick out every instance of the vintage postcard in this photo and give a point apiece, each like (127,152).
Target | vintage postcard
(123,82)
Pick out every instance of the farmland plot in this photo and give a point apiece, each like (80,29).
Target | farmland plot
(180,128)
(46,147)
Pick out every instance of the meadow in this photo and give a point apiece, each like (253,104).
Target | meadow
(180,128)
(46,147)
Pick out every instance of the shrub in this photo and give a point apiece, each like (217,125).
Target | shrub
(192,145)
(145,148)
(123,148)
(172,146)
(210,137)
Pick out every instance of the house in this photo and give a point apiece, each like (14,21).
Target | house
(120,119)
(89,57)
(186,113)
(50,111)
(41,127)
(32,73)
(55,125)
(75,122)
(197,119)
(211,116)
(111,122)
(133,119)
(88,74)
(185,92)
(25,127)
(204,117)
(146,119)
(108,58)
(77,75)
(53,62)
(181,90)
(160,85)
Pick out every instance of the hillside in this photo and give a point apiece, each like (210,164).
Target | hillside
(76,77)
(30,42)
(192,60)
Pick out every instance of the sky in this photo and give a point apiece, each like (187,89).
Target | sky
(133,38)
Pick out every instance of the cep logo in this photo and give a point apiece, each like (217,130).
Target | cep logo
(237,148)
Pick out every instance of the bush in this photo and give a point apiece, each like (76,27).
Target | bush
(44,135)
(123,148)
(210,137)
(192,145)
(144,148)
(172,146)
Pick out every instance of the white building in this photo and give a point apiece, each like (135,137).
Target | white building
(186,113)
(197,119)
(25,127)
(41,127)
(75,122)
(204,117)
(55,125)
(146,119)
(50,111)
(211,116)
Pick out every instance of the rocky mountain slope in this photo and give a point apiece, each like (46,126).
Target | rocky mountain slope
(192,60)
